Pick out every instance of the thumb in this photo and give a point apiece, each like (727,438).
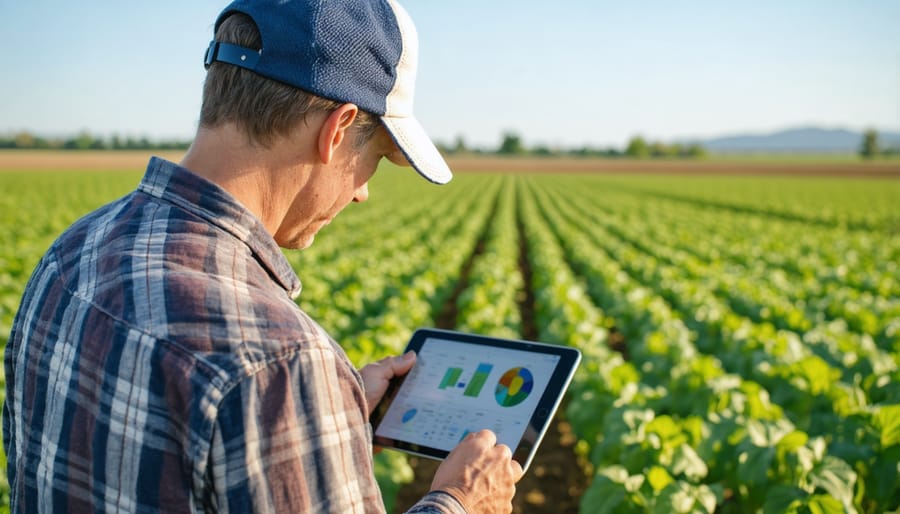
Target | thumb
(402,364)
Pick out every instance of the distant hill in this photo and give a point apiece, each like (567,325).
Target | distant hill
(800,140)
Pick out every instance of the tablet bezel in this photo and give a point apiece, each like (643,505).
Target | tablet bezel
(540,417)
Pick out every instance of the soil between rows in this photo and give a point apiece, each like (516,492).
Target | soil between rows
(889,169)
(58,160)
(556,479)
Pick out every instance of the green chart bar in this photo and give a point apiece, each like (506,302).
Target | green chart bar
(450,378)
(478,380)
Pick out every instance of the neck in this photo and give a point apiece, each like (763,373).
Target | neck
(258,177)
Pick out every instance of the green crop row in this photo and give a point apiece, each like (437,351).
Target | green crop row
(741,336)
(795,393)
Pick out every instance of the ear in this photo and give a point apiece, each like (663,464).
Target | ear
(334,130)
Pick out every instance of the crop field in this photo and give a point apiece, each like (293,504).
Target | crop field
(740,333)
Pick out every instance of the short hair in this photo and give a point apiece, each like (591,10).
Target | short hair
(263,108)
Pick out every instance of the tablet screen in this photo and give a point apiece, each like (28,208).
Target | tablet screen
(463,383)
(461,388)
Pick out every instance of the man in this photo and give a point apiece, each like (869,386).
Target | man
(158,362)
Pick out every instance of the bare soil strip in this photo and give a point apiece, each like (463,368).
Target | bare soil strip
(556,481)
(873,169)
(526,302)
(424,469)
(567,478)
(71,160)
(60,160)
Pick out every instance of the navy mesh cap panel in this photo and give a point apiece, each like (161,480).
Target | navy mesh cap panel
(363,52)
(307,44)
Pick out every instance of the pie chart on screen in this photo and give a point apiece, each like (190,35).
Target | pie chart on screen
(514,387)
(409,415)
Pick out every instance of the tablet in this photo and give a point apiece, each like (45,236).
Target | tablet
(464,383)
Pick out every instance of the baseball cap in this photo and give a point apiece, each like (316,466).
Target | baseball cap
(363,52)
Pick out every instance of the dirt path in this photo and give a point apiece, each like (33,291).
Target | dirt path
(556,479)
(136,160)
(73,160)
(850,169)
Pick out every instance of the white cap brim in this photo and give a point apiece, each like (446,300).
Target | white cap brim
(418,149)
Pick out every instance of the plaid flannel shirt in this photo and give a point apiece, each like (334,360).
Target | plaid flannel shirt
(158,363)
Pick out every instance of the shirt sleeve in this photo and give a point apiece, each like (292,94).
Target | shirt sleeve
(292,437)
(437,502)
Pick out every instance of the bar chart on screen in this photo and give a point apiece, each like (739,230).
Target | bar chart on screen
(473,387)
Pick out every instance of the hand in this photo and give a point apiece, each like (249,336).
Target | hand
(480,474)
(377,375)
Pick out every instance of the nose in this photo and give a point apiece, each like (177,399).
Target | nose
(361,194)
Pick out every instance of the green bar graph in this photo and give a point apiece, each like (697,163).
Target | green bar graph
(478,380)
(450,378)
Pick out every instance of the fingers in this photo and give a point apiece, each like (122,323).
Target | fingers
(485,437)
(402,364)
(480,473)
(377,376)
(390,367)
(518,472)
(488,439)
(505,453)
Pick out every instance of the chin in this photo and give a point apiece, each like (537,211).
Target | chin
(304,243)
(299,243)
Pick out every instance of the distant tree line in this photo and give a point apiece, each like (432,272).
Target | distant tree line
(871,147)
(84,140)
(511,145)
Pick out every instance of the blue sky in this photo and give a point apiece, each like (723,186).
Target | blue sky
(566,72)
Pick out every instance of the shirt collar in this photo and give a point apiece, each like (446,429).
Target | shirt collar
(172,183)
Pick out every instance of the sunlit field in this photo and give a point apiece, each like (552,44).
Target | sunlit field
(741,333)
